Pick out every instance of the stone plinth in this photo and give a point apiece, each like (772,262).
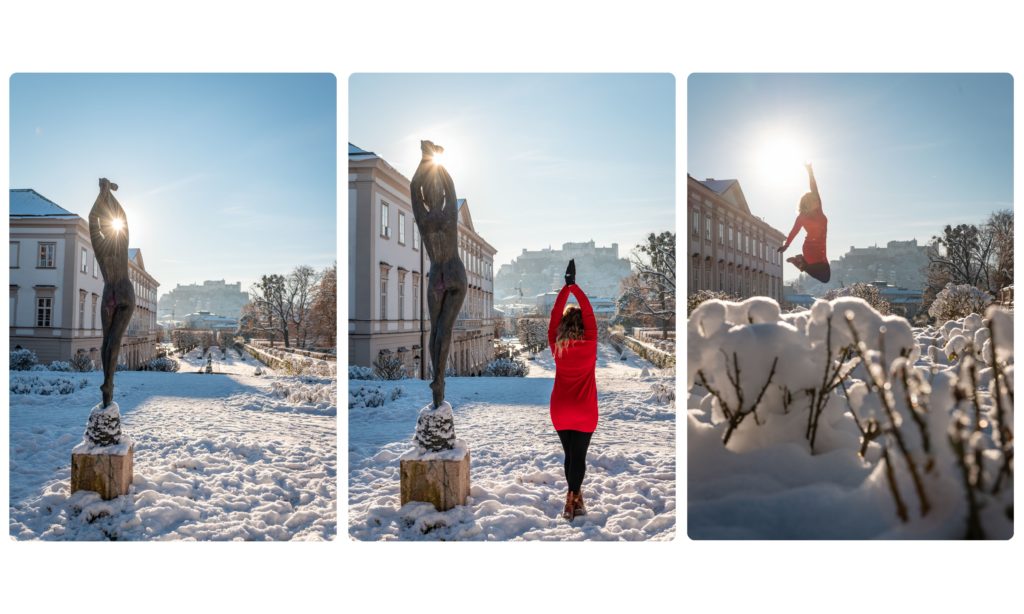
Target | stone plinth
(107,470)
(439,478)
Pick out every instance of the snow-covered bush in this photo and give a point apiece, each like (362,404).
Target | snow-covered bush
(662,393)
(165,364)
(39,368)
(868,292)
(81,362)
(311,393)
(927,411)
(366,396)
(699,297)
(62,366)
(506,367)
(121,366)
(34,384)
(388,367)
(355,372)
(23,360)
(956,301)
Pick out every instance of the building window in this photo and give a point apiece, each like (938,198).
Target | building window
(707,228)
(696,223)
(95,267)
(44,311)
(47,256)
(384,291)
(401,227)
(415,296)
(95,299)
(83,266)
(385,230)
(731,244)
(15,254)
(81,309)
(721,233)
(415,236)
(401,295)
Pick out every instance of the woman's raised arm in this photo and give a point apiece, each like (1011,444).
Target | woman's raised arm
(556,315)
(589,321)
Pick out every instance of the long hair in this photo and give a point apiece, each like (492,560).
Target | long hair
(809,203)
(569,329)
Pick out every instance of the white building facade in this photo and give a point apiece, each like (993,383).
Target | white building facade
(56,286)
(386,280)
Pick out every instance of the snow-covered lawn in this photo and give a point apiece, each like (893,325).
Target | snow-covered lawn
(841,423)
(517,482)
(217,457)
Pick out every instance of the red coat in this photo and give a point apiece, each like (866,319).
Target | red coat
(817,231)
(574,397)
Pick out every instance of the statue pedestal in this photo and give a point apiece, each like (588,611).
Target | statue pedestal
(107,470)
(439,478)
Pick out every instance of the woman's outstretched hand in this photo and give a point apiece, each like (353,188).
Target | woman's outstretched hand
(570,273)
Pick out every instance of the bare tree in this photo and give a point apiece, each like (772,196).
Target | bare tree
(324,310)
(963,252)
(655,266)
(271,306)
(999,228)
(300,287)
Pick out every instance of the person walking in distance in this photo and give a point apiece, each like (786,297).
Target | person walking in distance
(572,336)
(813,260)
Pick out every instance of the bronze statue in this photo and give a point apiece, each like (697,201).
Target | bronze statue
(108,228)
(436,209)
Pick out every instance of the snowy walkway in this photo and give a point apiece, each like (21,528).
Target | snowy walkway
(217,457)
(518,485)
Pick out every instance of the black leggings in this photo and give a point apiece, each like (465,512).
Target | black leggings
(575,444)
(820,271)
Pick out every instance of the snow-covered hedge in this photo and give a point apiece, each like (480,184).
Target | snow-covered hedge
(164,363)
(361,373)
(657,357)
(62,366)
(306,393)
(928,411)
(81,362)
(956,301)
(388,367)
(35,384)
(23,360)
(506,367)
(868,292)
(372,396)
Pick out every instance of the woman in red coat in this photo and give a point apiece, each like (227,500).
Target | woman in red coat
(813,261)
(572,335)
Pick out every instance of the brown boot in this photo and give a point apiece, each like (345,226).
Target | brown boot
(578,509)
(568,512)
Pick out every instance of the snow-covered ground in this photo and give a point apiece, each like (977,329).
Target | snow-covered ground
(217,457)
(517,481)
(913,446)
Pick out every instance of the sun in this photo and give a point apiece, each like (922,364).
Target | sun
(117,224)
(779,158)
(439,158)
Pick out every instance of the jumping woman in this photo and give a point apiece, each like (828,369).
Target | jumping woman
(572,335)
(813,261)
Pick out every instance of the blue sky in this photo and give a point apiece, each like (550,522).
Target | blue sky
(221,176)
(896,156)
(542,159)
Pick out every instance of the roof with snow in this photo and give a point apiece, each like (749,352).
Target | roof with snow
(29,203)
(718,186)
(359,153)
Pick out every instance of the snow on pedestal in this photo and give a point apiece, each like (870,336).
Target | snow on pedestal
(436,469)
(103,461)
(435,428)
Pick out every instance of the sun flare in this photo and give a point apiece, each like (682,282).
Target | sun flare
(780,159)
(439,158)
(117,224)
